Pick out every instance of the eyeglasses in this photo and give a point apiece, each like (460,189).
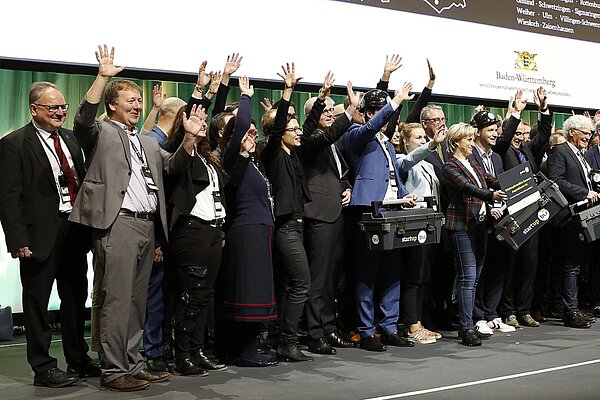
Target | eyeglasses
(584,132)
(53,108)
(295,129)
(328,111)
(435,120)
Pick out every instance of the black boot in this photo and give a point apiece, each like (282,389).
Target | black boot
(291,352)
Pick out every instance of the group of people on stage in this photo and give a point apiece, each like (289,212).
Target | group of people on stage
(214,245)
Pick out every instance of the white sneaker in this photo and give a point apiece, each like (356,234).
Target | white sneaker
(497,325)
(482,327)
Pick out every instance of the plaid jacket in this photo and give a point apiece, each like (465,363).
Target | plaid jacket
(466,197)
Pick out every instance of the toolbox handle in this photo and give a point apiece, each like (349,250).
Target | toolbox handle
(378,204)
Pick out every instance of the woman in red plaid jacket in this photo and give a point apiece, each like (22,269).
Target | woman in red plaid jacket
(469,189)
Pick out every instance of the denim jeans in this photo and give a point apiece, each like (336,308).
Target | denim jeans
(575,254)
(469,253)
(291,259)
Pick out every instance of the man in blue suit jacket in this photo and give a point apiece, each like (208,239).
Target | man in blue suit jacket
(376,178)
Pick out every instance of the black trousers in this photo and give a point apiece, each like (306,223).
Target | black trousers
(322,241)
(493,280)
(68,265)
(291,262)
(519,281)
(196,255)
(416,271)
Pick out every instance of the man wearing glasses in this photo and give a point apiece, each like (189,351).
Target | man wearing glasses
(42,165)
(568,167)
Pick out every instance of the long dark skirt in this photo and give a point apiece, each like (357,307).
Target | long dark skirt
(248,271)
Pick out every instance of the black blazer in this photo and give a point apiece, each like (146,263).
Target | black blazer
(533,150)
(565,169)
(320,168)
(496,161)
(592,155)
(28,194)
(182,191)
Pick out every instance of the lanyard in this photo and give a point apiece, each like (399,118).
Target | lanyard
(271,202)
(137,152)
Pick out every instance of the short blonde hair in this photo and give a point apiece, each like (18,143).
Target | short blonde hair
(458,132)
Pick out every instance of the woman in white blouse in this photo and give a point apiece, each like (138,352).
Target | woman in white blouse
(419,178)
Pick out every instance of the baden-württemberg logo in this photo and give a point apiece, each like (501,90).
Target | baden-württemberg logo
(525,61)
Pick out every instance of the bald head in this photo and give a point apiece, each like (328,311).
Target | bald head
(170,106)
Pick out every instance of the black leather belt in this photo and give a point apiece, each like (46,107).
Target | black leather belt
(139,215)
(215,223)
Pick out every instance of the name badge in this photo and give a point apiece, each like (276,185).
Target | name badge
(63,184)
(148,178)
(218,205)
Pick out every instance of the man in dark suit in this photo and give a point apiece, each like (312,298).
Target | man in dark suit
(521,266)
(121,197)
(325,172)
(42,165)
(568,167)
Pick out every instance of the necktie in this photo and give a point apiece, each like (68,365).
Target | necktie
(440,152)
(64,167)
(521,156)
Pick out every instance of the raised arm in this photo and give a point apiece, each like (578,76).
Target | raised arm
(504,140)
(415,112)
(540,142)
(392,63)
(157,98)
(242,123)
(312,119)
(197,97)
(275,136)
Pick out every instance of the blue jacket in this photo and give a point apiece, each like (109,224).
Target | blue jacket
(368,160)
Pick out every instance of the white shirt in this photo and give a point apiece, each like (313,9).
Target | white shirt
(48,146)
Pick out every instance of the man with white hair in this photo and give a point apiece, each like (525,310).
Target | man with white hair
(568,167)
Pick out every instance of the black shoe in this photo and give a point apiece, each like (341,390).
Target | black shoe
(186,367)
(371,343)
(291,352)
(596,311)
(90,369)
(54,378)
(469,338)
(587,316)
(336,340)
(256,360)
(158,364)
(576,320)
(320,346)
(394,339)
(210,364)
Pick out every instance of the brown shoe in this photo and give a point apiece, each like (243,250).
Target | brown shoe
(125,383)
(152,376)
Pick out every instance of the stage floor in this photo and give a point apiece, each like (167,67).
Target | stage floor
(549,362)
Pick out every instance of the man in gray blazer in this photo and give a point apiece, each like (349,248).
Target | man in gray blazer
(120,198)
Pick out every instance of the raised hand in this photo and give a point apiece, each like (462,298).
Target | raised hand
(157,96)
(353,99)
(106,67)
(540,98)
(245,86)
(232,64)
(520,102)
(215,81)
(195,126)
(327,85)
(266,104)
(203,79)
(289,75)
(249,141)
(431,75)
(403,93)
(392,63)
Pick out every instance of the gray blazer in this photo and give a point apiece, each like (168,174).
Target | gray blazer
(103,189)
(412,166)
